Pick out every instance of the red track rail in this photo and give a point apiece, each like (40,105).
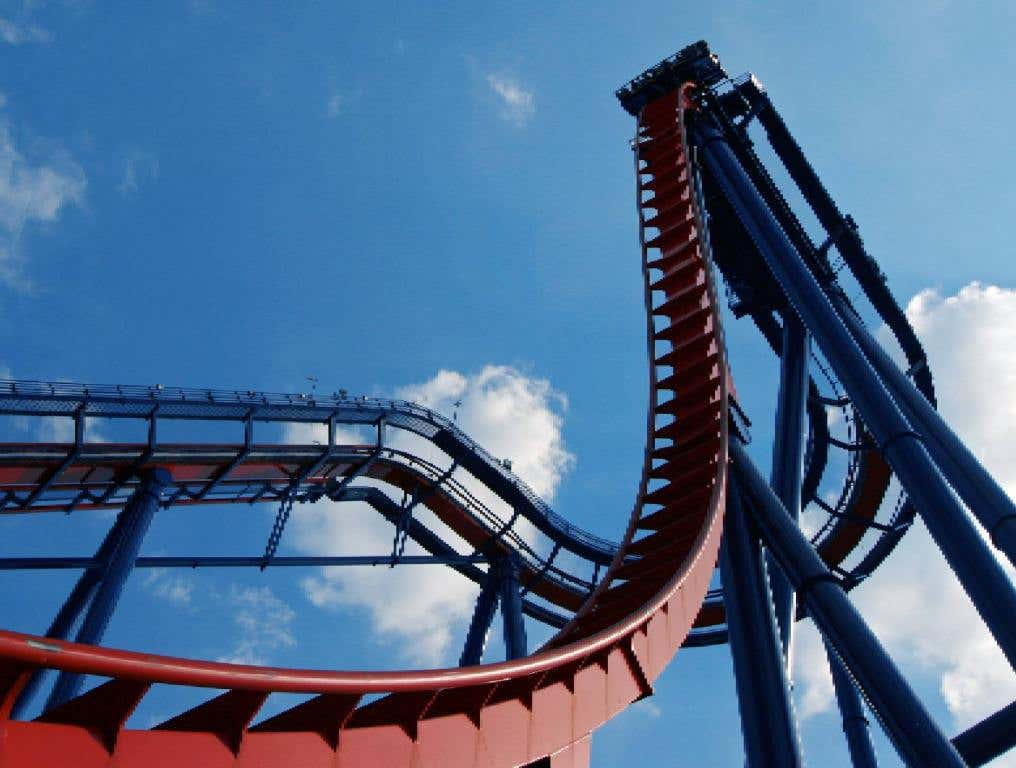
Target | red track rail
(504,714)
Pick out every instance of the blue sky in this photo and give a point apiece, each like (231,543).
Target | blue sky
(217,195)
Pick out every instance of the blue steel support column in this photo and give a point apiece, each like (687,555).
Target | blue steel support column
(981,492)
(72,607)
(993,736)
(969,557)
(906,721)
(788,457)
(139,510)
(855,723)
(763,694)
(511,609)
(483,615)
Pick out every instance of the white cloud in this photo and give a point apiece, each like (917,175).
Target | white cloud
(510,414)
(171,587)
(31,192)
(136,168)
(423,610)
(13,33)
(913,602)
(813,685)
(335,104)
(263,622)
(518,105)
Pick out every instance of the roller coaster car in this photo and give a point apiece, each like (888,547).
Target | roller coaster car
(694,63)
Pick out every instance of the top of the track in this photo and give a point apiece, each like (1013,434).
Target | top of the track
(693,63)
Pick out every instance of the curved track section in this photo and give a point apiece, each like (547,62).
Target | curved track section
(193,467)
(250,408)
(495,715)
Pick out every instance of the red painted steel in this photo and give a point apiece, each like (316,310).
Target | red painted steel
(542,707)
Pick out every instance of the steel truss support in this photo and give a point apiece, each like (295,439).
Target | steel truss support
(501,586)
(983,495)
(94,565)
(511,608)
(763,692)
(75,603)
(981,492)
(788,458)
(966,552)
(855,723)
(137,516)
(905,720)
(483,616)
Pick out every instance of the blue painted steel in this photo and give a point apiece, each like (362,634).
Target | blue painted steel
(75,603)
(983,495)
(94,565)
(763,692)
(35,398)
(138,512)
(79,442)
(907,723)
(511,609)
(434,544)
(788,457)
(483,616)
(969,557)
(993,736)
(855,723)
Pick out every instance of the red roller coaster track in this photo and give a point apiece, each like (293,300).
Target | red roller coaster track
(506,714)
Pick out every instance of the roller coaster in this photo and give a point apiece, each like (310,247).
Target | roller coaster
(712,552)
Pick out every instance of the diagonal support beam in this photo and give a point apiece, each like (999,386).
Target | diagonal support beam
(968,555)
(788,458)
(511,609)
(763,690)
(72,455)
(139,512)
(483,617)
(905,720)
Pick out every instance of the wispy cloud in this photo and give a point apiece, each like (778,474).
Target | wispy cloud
(14,33)
(264,624)
(518,105)
(136,168)
(335,104)
(171,587)
(31,191)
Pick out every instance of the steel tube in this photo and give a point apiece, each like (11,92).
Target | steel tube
(511,609)
(985,498)
(138,514)
(763,693)
(900,712)
(788,458)
(76,602)
(967,554)
(303,561)
(993,736)
(855,723)
(483,616)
